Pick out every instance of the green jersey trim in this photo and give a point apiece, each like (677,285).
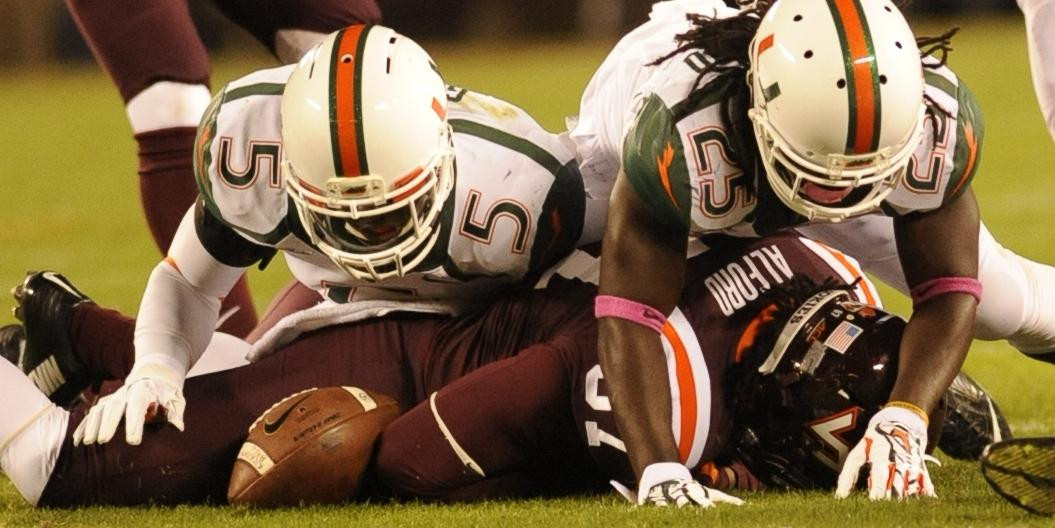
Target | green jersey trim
(935,80)
(253,89)
(970,130)
(654,164)
(203,152)
(517,144)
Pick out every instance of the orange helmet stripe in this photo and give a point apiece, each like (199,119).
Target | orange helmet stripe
(346,127)
(862,76)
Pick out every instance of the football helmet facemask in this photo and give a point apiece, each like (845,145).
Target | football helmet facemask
(837,103)
(368,156)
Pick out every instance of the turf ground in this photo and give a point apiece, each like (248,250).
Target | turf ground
(69,202)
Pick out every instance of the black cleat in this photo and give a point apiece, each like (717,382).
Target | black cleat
(12,341)
(972,420)
(46,301)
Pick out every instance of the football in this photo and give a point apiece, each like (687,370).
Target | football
(312,448)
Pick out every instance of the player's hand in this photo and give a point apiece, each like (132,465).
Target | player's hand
(150,392)
(893,448)
(671,484)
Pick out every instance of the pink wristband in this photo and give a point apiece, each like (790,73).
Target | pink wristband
(635,312)
(942,285)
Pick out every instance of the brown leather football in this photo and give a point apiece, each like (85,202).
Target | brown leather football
(312,447)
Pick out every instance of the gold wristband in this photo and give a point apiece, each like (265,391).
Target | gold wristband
(914,408)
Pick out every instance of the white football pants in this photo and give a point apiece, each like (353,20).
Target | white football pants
(1018,295)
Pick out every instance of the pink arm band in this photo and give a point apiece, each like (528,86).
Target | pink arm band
(635,312)
(942,285)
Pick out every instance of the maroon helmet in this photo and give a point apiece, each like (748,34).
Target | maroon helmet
(804,405)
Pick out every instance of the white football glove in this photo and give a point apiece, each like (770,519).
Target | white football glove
(670,483)
(893,446)
(150,390)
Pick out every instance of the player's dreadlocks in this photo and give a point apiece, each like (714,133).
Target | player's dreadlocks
(726,43)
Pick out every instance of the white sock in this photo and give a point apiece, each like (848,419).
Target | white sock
(31,433)
(168,104)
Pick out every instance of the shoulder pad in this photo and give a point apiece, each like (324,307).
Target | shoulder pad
(654,163)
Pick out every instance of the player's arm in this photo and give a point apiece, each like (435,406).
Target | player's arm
(939,255)
(938,250)
(644,262)
(642,273)
(642,270)
(180,306)
(176,320)
(935,246)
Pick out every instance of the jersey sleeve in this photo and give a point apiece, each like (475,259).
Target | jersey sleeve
(654,164)
(203,152)
(945,162)
(225,244)
(970,128)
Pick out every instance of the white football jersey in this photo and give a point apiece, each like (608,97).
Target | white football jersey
(679,157)
(516,208)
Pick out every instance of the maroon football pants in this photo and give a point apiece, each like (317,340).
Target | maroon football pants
(512,432)
(194,466)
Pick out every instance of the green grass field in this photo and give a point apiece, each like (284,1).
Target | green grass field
(70,203)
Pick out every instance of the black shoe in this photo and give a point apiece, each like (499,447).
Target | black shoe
(46,301)
(972,420)
(12,341)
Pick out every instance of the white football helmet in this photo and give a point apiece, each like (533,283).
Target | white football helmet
(368,156)
(837,103)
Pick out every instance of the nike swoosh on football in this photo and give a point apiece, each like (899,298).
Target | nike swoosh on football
(270,427)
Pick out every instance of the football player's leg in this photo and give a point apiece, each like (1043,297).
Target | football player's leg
(870,240)
(1018,295)
(31,433)
(193,466)
(1018,299)
(157,60)
(1040,37)
(504,429)
(290,27)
